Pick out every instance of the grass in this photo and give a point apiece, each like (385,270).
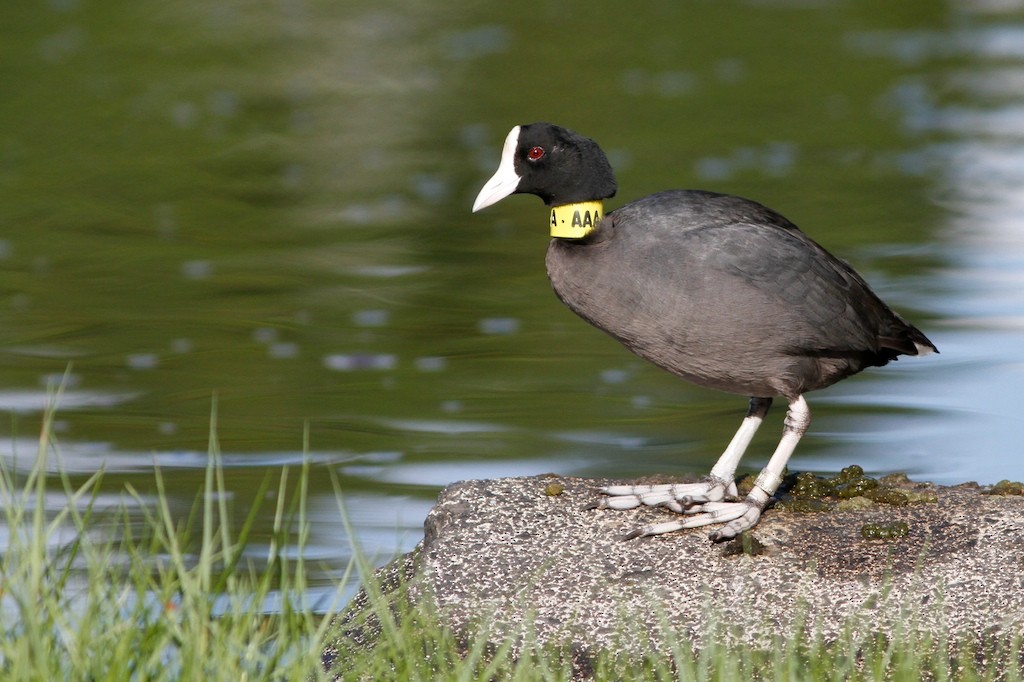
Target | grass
(172,598)
(91,595)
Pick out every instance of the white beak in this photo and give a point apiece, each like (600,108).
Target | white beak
(505,180)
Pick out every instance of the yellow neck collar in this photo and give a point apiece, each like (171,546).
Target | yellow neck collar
(575,221)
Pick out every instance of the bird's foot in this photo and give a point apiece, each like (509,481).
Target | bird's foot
(737,517)
(701,504)
(682,498)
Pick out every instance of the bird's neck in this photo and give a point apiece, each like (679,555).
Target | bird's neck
(575,221)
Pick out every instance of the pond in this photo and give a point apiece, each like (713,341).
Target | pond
(266,207)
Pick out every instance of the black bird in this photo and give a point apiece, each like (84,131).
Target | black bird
(718,290)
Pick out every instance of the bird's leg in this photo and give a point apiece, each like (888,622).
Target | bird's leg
(743,514)
(680,497)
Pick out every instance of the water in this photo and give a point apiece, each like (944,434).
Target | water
(271,206)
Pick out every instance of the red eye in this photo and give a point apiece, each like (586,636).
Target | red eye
(535,153)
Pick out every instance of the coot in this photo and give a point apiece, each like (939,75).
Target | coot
(719,290)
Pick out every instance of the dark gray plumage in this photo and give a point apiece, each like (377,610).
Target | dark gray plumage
(719,290)
(727,294)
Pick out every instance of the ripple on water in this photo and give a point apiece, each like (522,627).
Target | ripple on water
(371,318)
(498,325)
(352,362)
(75,457)
(30,401)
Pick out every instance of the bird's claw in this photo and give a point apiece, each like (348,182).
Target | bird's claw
(682,498)
(710,501)
(737,517)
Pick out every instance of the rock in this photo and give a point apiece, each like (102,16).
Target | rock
(524,553)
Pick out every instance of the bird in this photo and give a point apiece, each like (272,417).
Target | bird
(719,290)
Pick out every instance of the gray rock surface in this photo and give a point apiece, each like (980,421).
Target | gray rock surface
(511,554)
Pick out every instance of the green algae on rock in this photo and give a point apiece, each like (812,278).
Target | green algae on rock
(1006,487)
(746,544)
(554,489)
(851,490)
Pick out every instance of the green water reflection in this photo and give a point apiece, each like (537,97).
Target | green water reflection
(269,202)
